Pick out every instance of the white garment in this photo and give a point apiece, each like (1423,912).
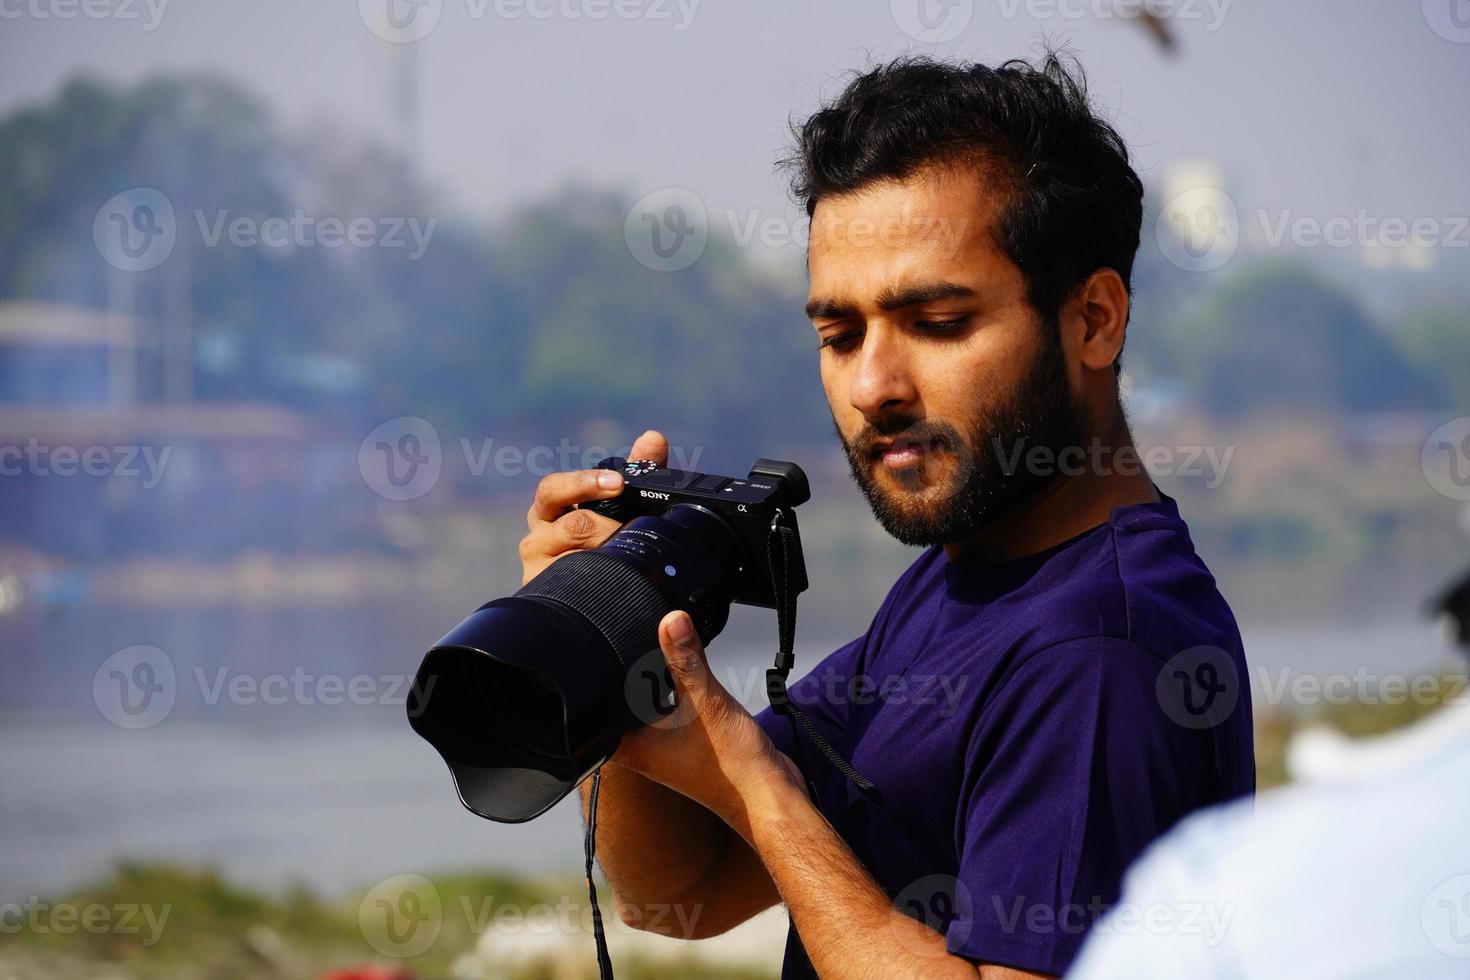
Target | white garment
(1361,870)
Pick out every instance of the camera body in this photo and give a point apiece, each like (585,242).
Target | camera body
(747,506)
(533,691)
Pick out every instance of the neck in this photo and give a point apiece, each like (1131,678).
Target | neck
(1068,505)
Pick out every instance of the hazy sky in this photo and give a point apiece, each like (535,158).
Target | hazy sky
(1322,107)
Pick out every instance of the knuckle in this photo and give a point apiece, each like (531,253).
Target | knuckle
(579,526)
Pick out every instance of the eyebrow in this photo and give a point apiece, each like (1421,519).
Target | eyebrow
(891,298)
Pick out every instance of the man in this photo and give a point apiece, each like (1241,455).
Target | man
(972,237)
(1360,868)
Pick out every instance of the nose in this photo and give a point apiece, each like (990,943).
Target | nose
(881,382)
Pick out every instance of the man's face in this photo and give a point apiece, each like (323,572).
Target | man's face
(936,367)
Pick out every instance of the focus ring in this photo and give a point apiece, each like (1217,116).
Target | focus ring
(614,597)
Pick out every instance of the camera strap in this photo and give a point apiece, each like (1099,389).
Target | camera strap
(780,545)
(604,961)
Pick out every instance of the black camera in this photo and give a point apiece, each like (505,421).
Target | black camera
(532,692)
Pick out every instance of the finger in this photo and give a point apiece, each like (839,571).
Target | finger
(573,531)
(651,445)
(684,654)
(559,492)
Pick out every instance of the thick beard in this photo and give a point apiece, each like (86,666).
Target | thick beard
(991,481)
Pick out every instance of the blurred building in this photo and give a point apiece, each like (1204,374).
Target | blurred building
(91,471)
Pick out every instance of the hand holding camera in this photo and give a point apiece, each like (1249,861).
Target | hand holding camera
(557,524)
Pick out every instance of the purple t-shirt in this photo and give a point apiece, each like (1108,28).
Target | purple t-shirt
(1032,726)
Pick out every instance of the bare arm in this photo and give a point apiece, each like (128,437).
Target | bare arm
(714,752)
(675,867)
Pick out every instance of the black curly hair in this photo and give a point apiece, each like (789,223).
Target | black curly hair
(1073,202)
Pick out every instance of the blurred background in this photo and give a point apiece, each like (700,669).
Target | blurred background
(298,302)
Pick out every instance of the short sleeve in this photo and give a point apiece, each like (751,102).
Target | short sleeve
(1072,768)
(827,713)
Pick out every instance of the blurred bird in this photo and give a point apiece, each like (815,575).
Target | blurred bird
(1453,607)
(1157,25)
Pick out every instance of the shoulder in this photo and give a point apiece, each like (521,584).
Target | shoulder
(1136,580)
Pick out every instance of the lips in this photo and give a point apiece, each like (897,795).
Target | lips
(906,452)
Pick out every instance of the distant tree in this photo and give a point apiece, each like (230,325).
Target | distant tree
(1279,338)
(1437,342)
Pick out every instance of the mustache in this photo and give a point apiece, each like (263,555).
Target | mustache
(905,429)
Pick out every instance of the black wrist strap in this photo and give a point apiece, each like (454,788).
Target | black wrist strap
(779,548)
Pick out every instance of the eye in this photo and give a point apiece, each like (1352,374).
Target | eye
(941,326)
(841,342)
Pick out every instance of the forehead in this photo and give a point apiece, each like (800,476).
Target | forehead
(937,223)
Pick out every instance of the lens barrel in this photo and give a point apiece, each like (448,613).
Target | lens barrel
(532,692)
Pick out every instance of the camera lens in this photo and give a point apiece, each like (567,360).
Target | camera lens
(528,695)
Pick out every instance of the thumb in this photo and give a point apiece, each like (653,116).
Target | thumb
(684,653)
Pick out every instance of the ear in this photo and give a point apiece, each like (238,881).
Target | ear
(1101,306)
